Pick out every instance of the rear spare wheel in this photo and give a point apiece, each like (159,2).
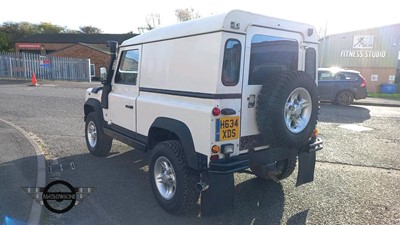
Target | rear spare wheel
(287,109)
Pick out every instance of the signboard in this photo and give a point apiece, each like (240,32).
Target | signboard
(362,48)
(44,63)
(28,45)
(363,41)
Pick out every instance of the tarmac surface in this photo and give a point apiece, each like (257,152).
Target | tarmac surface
(18,168)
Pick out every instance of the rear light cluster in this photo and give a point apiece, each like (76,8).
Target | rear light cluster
(216,111)
(215,149)
(364,83)
(225,149)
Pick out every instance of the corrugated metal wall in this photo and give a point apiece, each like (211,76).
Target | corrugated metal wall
(340,49)
(372,51)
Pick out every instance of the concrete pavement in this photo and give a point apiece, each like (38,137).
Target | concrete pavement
(378,102)
(19,165)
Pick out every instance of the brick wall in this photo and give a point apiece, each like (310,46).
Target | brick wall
(80,51)
(383,76)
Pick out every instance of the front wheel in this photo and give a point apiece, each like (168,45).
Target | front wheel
(172,181)
(97,142)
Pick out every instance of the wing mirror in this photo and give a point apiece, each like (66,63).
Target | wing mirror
(103,74)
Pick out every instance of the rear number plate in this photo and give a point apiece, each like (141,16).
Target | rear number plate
(227,128)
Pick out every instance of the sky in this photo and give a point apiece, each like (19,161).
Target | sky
(121,16)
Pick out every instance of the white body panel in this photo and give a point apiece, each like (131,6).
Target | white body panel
(183,64)
(187,58)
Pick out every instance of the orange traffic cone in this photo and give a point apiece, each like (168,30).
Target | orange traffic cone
(34,81)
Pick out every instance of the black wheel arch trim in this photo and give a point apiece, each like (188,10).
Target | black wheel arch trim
(93,105)
(96,89)
(181,130)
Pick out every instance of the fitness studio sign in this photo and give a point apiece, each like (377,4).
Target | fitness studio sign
(362,48)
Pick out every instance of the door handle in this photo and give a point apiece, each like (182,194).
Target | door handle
(129,106)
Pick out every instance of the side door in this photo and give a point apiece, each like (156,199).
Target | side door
(267,52)
(125,90)
(326,81)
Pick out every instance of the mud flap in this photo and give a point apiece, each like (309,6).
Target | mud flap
(306,167)
(219,196)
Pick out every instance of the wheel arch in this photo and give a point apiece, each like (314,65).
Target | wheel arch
(171,129)
(93,105)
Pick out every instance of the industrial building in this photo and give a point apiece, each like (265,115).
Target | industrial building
(374,52)
(87,46)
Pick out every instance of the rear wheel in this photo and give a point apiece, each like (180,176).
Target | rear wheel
(344,98)
(172,181)
(97,142)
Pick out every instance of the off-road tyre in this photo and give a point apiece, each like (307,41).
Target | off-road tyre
(284,169)
(186,195)
(273,107)
(101,145)
(344,98)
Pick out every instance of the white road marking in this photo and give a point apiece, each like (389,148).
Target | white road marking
(355,127)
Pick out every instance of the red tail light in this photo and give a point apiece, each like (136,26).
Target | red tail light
(364,83)
(216,111)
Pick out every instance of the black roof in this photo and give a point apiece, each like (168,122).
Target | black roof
(76,38)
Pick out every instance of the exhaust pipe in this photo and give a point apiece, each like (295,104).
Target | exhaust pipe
(201,186)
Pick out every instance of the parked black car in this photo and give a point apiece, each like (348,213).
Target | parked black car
(341,86)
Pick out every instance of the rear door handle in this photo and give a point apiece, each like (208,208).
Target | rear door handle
(129,106)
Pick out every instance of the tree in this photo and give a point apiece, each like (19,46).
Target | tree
(153,20)
(90,30)
(186,14)
(4,44)
(10,32)
(48,28)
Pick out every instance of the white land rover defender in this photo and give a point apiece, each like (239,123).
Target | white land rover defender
(210,97)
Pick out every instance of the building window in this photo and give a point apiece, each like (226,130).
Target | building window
(231,64)
(128,68)
(92,70)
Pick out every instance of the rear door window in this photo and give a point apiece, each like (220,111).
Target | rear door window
(270,55)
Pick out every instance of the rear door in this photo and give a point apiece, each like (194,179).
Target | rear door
(267,52)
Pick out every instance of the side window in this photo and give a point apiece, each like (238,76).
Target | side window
(231,64)
(311,62)
(325,75)
(128,68)
(270,55)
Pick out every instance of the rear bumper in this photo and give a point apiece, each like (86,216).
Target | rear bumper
(242,162)
(361,93)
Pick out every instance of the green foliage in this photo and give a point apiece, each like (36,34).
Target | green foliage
(11,32)
(381,95)
(90,30)
(186,14)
